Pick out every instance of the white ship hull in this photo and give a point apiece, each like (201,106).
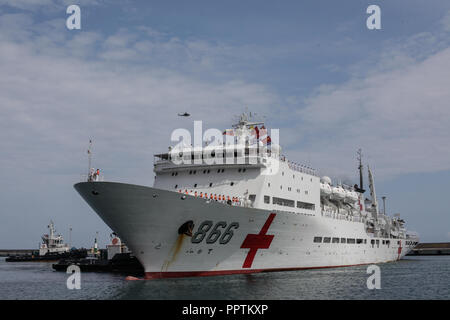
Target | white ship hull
(148,220)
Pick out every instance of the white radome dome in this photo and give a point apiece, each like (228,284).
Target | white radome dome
(326,179)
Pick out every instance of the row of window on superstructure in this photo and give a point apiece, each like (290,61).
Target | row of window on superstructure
(289,203)
(373,242)
(289,188)
(208,171)
(339,240)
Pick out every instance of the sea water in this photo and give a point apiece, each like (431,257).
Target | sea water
(414,277)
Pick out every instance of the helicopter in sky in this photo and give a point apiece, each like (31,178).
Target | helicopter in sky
(184,114)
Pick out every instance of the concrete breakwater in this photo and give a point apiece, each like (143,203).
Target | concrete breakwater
(431,249)
(15,252)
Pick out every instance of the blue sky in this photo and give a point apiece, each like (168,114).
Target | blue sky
(311,67)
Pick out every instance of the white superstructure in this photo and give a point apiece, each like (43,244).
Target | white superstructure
(52,243)
(242,207)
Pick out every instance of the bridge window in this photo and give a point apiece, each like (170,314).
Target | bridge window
(350,240)
(359,241)
(266,199)
(318,239)
(283,202)
(343,240)
(305,205)
(326,240)
(335,240)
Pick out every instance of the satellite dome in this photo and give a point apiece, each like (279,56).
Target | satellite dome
(326,179)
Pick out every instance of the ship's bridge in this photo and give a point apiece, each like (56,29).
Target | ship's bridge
(213,157)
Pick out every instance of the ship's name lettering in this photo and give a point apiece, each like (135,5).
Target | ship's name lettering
(221,231)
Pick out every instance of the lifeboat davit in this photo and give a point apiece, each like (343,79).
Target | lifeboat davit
(351,196)
(325,189)
(325,186)
(338,193)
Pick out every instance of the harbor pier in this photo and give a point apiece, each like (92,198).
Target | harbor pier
(431,249)
(15,252)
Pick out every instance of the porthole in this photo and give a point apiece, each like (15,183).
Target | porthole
(210,184)
(176,186)
(223,170)
(195,185)
(243,170)
(232,183)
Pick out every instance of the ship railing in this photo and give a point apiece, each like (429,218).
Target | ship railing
(226,200)
(412,235)
(209,162)
(299,167)
(87,178)
(333,214)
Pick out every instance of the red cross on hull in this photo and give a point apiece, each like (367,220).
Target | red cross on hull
(257,241)
(399,250)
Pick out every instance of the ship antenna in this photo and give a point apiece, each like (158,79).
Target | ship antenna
(359,153)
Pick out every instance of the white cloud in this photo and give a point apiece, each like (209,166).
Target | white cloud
(36,5)
(401,118)
(56,92)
